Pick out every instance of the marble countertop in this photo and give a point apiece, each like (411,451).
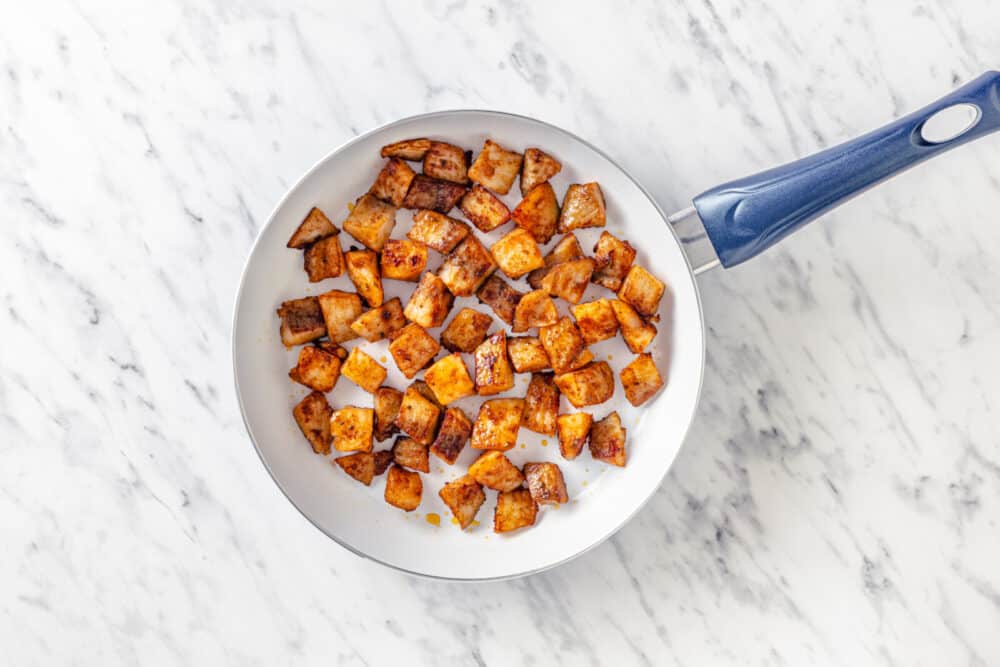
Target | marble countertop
(836,502)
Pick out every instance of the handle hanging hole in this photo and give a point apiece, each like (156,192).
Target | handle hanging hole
(950,123)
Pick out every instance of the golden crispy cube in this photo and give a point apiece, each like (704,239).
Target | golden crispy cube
(452,435)
(383,459)
(362,269)
(517,253)
(562,342)
(493,373)
(495,167)
(642,290)
(637,332)
(316,369)
(607,440)
(590,385)
(359,465)
(569,280)
(495,471)
(466,331)
(596,320)
(437,231)
(484,209)
(467,267)
(538,213)
(463,497)
(612,259)
(312,414)
(352,429)
(340,309)
(314,227)
(430,302)
(433,194)
(497,424)
(324,259)
(449,379)
(409,453)
(412,348)
(500,296)
(408,149)
(447,162)
(583,206)
(546,484)
(386,401)
(537,167)
(515,509)
(403,259)
(541,404)
(301,321)
(393,182)
(573,430)
(403,488)
(371,221)
(381,322)
(363,371)
(641,379)
(535,309)
(566,250)
(527,354)
(418,415)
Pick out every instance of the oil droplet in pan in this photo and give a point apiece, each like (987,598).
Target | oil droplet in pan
(454,521)
(545,443)
(474,523)
(382,359)
(433,519)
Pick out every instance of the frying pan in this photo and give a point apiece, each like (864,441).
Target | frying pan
(726,225)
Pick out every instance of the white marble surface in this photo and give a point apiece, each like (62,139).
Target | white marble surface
(837,500)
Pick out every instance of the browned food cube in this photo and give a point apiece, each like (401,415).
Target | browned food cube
(403,488)
(466,331)
(538,167)
(352,429)
(495,167)
(515,509)
(408,149)
(393,182)
(324,259)
(418,415)
(433,194)
(379,323)
(566,250)
(541,404)
(467,267)
(362,269)
(316,369)
(301,321)
(484,209)
(403,259)
(538,213)
(371,221)
(581,360)
(573,430)
(332,348)
(493,372)
(463,497)
(642,290)
(497,424)
(546,484)
(641,379)
(452,435)
(500,296)
(314,227)
(516,253)
(449,379)
(596,320)
(612,259)
(340,309)
(535,309)
(583,206)
(312,414)
(607,440)
(437,231)
(409,453)
(563,343)
(363,371)
(495,471)
(527,354)
(383,459)
(359,465)
(447,162)
(637,332)
(590,385)
(412,348)
(569,280)
(430,302)
(386,401)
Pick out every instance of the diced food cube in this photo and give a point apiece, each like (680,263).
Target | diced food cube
(517,253)
(497,424)
(409,453)
(569,279)
(387,401)
(363,371)
(463,497)
(403,259)
(379,323)
(452,435)
(535,309)
(408,149)
(492,368)
(573,430)
(449,379)
(412,348)
(418,415)
(484,209)
(612,259)
(393,182)
(515,509)
(312,414)
(301,321)
(467,267)
(362,269)
(495,167)
(437,231)
(538,167)
(495,471)
(562,342)
(541,404)
(466,331)
(447,162)
(527,354)
(371,221)
(583,206)
(581,360)
(433,194)
(314,227)
(590,385)
(500,296)
(316,368)
(596,320)
(359,465)
(607,440)
(403,488)
(538,213)
(566,250)
(383,459)
(324,259)
(340,309)
(637,332)
(641,380)
(641,290)
(546,484)
(430,302)
(352,429)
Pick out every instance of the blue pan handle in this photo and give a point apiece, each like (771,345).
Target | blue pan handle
(745,217)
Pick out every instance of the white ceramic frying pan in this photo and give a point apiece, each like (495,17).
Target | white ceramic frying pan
(727,225)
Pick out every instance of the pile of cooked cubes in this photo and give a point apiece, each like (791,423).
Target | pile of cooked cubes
(553,348)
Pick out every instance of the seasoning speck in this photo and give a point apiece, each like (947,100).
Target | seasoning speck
(433,519)
(585,482)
